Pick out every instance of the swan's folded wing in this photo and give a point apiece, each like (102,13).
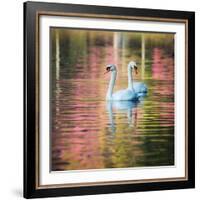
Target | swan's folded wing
(139,87)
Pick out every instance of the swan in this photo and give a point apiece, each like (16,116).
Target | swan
(121,95)
(139,87)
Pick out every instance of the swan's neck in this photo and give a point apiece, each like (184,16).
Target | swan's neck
(111,85)
(130,78)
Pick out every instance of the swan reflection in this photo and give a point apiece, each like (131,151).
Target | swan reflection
(122,107)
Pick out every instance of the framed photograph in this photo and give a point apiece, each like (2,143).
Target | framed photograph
(108,99)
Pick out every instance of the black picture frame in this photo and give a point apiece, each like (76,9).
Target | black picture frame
(32,10)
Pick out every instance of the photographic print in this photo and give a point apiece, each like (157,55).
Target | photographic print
(112,99)
(108,100)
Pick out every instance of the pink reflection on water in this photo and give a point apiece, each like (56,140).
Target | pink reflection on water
(162,68)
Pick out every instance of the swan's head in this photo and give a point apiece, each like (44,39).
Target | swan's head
(110,68)
(133,65)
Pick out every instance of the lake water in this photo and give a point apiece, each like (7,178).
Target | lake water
(89,133)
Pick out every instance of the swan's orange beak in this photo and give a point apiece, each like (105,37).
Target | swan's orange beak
(136,70)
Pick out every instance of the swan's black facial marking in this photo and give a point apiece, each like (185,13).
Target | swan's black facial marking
(136,69)
(108,68)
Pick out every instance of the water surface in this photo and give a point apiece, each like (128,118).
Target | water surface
(89,133)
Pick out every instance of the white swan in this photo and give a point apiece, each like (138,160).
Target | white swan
(139,87)
(122,95)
